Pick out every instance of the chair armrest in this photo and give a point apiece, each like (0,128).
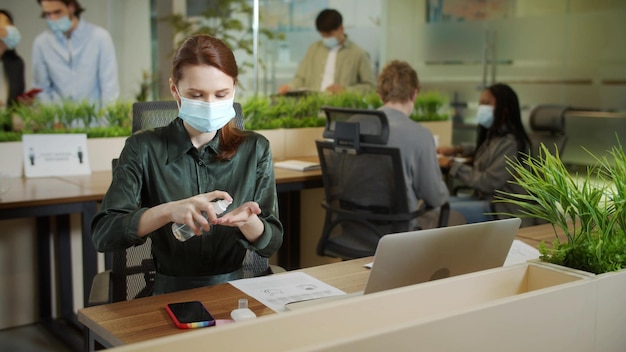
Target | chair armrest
(100,289)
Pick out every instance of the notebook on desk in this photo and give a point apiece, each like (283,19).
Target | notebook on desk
(299,165)
(414,257)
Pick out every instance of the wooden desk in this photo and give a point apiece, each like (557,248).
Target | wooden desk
(145,318)
(44,198)
(289,183)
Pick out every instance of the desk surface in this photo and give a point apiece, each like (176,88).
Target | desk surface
(145,318)
(26,192)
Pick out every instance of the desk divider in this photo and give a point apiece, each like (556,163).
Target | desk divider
(515,308)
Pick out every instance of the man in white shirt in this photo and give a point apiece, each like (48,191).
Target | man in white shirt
(74,59)
(333,64)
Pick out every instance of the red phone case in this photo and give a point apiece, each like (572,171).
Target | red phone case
(30,94)
(191,325)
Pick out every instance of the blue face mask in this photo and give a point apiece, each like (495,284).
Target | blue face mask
(61,25)
(484,115)
(13,37)
(206,117)
(330,42)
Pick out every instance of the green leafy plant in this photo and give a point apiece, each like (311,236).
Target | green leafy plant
(429,106)
(288,112)
(305,111)
(588,208)
(113,120)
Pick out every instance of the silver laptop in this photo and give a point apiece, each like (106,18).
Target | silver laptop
(409,258)
(413,257)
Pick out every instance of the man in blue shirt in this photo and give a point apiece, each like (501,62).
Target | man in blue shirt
(73,60)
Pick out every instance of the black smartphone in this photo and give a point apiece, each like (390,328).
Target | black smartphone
(190,315)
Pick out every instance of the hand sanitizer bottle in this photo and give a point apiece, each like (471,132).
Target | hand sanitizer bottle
(243,312)
(182,232)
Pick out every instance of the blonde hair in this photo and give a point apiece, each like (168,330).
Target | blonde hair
(397,82)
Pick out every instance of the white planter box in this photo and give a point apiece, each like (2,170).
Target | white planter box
(611,312)
(101,152)
(442,130)
(292,142)
(517,308)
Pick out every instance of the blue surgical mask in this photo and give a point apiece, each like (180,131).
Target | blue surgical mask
(484,115)
(13,37)
(204,116)
(330,42)
(61,25)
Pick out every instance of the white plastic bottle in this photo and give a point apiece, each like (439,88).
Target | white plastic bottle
(243,312)
(182,232)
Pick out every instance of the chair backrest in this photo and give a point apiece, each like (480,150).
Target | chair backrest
(547,124)
(133,269)
(365,189)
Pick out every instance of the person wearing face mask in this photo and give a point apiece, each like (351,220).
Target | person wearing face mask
(173,174)
(334,63)
(500,136)
(12,70)
(74,59)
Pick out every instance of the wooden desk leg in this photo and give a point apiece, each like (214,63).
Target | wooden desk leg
(289,213)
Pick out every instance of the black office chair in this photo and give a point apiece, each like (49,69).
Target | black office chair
(547,124)
(365,189)
(132,270)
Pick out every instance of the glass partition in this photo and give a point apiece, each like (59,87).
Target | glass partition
(559,51)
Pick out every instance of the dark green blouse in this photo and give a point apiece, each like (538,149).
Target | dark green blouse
(161,165)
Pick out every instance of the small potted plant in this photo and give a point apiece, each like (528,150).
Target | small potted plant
(588,208)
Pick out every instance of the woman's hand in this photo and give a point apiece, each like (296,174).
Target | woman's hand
(197,211)
(245,217)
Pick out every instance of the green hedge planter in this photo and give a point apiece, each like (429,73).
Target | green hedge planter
(260,113)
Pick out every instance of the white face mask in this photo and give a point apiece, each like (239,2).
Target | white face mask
(206,117)
(60,25)
(484,115)
(13,37)
(330,42)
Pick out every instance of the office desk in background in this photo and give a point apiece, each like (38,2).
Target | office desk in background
(45,199)
(145,318)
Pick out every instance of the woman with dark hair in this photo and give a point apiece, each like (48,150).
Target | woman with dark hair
(501,135)
(173,174)
(12,72)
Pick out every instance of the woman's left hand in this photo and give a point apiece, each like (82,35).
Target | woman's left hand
(245,217)
(241,215)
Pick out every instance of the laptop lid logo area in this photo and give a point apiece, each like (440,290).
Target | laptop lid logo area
(409,258)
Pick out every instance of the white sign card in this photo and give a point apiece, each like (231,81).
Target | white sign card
(55,155)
